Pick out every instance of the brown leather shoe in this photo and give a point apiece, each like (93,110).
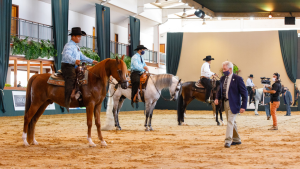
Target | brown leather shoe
(268,118)
(274,128)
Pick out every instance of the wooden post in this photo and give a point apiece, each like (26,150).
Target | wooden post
(28,70)
(15,73)
(41,67)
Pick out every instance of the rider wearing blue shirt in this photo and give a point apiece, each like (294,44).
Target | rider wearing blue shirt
(72,56)
(138,67)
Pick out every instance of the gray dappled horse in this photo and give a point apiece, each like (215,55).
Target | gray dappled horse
(151,94)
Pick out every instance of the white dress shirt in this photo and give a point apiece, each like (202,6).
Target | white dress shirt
(228,84)
(250,83)
(205,70)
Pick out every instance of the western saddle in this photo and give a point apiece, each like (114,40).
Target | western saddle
(143,84)
(57,79)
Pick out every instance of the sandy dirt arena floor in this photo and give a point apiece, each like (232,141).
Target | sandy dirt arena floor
(63,144)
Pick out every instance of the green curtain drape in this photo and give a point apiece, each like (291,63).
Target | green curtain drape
(5,26)
(174,44)
(103,31)
(134,34)
(60,15)
(289,50)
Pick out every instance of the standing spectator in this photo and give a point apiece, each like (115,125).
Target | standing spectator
(287,101)
(296,98)
(250,87)
(282,90)
(232,89)
(19,85)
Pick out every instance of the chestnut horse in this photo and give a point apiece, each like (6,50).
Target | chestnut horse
(40,94)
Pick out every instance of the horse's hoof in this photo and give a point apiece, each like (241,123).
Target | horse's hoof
(26,144)
(151,129)
(103,143)
(35,142)
(223,123)
(184,124)
(118,128)
(147,129)
(218,123)
(92,145)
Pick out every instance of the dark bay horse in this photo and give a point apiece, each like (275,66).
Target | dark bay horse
(187,94)
(40,94)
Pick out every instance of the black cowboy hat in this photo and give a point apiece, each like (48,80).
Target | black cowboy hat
(251,75)
(139,47)
(77,31)
(208,58)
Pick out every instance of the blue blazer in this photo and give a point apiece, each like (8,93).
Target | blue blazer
(288,97)
(237,90)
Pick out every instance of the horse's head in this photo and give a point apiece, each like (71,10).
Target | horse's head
(119,72)
(175,88)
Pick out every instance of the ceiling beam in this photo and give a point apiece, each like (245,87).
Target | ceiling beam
(258,14)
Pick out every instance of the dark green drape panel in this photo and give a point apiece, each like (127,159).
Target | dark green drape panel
(5,24)
(134,34)
(103,31)
(174,44)
(289,50)
(60,15)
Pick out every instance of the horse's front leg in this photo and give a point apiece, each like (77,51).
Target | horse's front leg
(89,118)
(121,101)
(98,124)
(150,117)
(217,111)
(147,116)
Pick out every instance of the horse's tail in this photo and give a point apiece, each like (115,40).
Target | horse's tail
(109,125)
(28,94)
(180,110)
(27,106)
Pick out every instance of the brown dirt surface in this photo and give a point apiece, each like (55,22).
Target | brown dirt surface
(63,144)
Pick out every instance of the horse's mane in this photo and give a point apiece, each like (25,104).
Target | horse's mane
(99,68)
(162,80)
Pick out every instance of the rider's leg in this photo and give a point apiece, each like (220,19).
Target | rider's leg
(207,84)
(69,75)
(135,81)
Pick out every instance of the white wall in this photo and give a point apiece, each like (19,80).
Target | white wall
(195,25)
(121,31)
(79,20)
(34,10)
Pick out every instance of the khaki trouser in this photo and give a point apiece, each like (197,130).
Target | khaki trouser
(231,131)
(274,107)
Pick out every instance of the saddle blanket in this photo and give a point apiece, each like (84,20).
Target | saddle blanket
(58,80)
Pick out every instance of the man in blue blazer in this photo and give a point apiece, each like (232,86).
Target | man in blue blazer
(231,91)
(288,101)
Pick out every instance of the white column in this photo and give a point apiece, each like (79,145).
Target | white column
(8,75)
(156,41)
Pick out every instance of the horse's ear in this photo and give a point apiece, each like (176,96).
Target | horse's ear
(123,57)
(179,81)
(117,59)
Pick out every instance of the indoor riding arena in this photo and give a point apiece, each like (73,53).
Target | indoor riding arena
(149,84)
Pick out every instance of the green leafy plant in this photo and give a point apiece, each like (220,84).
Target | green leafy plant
(32,49)
(7,85)
(127,59)
(90,53)
(235,69)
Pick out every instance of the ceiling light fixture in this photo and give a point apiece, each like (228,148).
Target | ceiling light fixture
(179,0)
(270,16)
(186,4)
